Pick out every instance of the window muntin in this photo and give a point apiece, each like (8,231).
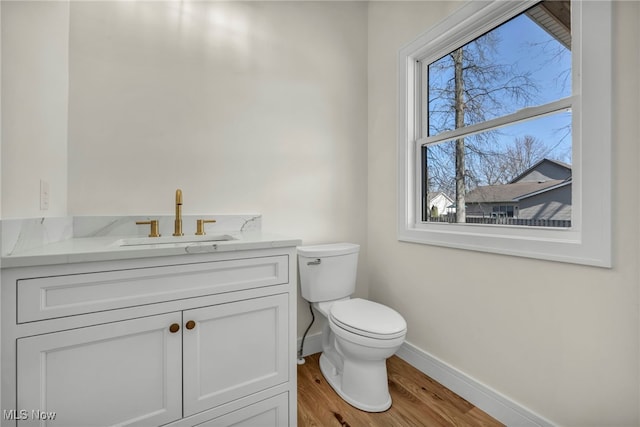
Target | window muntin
(488,83)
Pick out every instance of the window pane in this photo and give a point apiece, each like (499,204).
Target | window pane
(524,62)
(518,175)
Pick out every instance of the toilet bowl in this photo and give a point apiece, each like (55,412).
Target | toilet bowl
(354,356)
(358,335)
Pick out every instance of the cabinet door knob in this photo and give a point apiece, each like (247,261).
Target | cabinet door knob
(190,324)
(174,328)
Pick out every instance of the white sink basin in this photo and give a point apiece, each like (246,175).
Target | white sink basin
(167,240)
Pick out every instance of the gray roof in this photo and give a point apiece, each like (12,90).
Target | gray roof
(537,166)
(508,192)
(545,189)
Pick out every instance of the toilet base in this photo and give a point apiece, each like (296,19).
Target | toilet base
(334,378)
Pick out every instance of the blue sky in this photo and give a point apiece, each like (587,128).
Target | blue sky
(530,49)
(522,42)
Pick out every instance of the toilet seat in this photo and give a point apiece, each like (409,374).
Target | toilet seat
(368,319)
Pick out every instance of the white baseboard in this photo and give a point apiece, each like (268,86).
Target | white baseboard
(493,403)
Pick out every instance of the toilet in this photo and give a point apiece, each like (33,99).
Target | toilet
(358,335)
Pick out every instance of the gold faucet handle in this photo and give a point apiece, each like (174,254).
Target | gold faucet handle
(200,226)
(154,227)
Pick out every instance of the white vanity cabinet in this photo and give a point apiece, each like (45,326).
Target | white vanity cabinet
(180,340)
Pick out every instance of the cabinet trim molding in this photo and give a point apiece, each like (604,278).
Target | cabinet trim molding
(41,298)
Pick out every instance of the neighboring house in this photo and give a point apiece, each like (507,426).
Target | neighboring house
(442,202)
(541,192)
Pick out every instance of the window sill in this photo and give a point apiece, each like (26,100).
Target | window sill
(565,245)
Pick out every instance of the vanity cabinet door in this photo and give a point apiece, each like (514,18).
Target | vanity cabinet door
(124,373)
(232,350)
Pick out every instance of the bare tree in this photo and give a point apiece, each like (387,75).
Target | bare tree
(506,165)
(459,105)
(523,154)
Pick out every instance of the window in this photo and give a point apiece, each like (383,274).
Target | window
(505,110)
(495,108)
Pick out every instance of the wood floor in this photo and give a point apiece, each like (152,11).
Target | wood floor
(417,401)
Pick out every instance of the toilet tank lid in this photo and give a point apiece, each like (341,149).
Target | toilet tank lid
(330,249)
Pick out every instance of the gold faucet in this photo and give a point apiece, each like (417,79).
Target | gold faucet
(154,227)
(200,226)
(178,221)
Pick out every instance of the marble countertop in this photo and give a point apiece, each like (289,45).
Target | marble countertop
(106,248)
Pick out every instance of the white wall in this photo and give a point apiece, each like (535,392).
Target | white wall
(1,97)
(34,102)
(247,107)
(560,339)
(0,154)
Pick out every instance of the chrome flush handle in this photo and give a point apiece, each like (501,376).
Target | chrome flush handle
(316,262)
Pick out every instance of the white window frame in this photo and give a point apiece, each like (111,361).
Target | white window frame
(588,241)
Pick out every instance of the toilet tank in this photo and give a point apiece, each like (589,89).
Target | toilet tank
(328,272)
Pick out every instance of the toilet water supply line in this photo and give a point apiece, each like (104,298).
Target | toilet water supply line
(313,318)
